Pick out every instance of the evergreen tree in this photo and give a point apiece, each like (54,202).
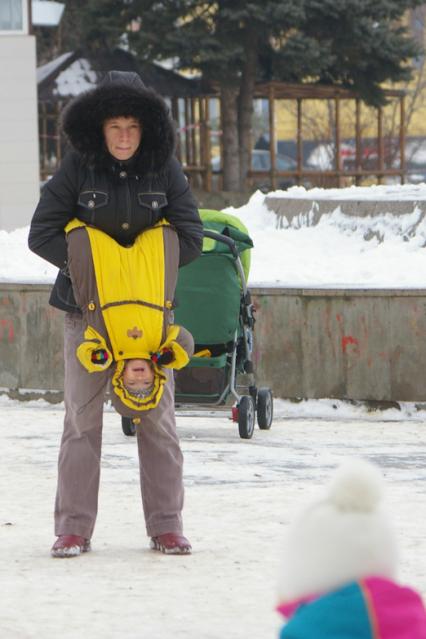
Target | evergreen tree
(93,25)
(222,40)
(358,44)
(98,26)
(355,43)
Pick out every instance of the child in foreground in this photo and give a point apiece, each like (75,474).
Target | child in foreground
(337,578)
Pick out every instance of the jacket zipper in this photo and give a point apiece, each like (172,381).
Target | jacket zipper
(129,202)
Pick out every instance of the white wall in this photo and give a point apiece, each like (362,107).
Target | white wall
(19,161)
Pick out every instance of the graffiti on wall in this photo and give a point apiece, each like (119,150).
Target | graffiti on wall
(7,331)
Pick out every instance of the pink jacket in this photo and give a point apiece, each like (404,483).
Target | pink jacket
(372,608)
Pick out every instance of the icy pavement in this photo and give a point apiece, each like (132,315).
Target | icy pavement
(240,495)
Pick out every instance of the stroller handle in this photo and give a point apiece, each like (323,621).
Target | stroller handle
(224,239)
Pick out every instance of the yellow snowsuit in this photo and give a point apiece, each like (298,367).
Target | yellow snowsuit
(126,297)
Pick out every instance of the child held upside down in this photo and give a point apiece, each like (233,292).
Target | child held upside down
(138,375)
(126,297)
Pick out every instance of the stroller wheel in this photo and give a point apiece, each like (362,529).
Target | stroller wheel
(246,416)
(265,408)
(128,427)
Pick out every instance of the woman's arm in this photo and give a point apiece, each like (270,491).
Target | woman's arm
(54,210)
(182,213)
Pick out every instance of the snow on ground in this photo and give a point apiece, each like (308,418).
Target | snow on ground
(334,253)
(240,496)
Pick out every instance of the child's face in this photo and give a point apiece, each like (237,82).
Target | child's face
(138,374)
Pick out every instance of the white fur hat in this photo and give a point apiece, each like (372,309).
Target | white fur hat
(341,538)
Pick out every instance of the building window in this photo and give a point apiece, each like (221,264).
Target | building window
(13,16)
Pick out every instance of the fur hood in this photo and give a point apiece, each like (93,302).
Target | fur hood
(120,94)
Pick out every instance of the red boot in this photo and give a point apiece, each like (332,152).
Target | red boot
(171,544)
(70,546)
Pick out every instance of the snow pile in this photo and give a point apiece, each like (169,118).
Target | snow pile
(18,264)
(391,193)
(342,251)
(384,251)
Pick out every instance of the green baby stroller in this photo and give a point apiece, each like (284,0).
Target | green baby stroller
(214,304)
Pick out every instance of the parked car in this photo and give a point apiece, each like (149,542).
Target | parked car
(261,161)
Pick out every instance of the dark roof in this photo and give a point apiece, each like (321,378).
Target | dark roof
(74,72)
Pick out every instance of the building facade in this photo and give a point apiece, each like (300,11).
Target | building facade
(19,157)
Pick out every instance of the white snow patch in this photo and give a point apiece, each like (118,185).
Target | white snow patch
(341,251)
(240,498)
(46,69)
(78,77)
(305,409)
(395,192)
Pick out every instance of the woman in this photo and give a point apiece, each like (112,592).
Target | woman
(126,298)
(121,177)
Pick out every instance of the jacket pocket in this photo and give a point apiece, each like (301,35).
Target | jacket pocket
(93,199)
(153,201)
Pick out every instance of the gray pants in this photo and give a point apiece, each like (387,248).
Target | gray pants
(160,457)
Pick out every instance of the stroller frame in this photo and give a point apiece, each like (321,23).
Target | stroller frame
(256,402)
(247,326)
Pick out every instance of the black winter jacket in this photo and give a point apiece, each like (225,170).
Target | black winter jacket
(120,198)
(116,200)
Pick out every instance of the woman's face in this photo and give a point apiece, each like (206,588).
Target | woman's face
(122,136)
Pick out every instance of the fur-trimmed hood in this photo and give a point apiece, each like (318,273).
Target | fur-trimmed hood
(121,93)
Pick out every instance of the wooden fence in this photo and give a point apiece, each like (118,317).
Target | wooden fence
(198,124)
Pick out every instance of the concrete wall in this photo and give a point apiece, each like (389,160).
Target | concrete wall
(31,339)
(19,161)
(356,344)
(307,212)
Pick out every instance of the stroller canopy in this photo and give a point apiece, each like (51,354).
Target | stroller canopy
(232,227)
(209,289)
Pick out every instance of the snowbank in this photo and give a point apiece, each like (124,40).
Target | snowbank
(384,251)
